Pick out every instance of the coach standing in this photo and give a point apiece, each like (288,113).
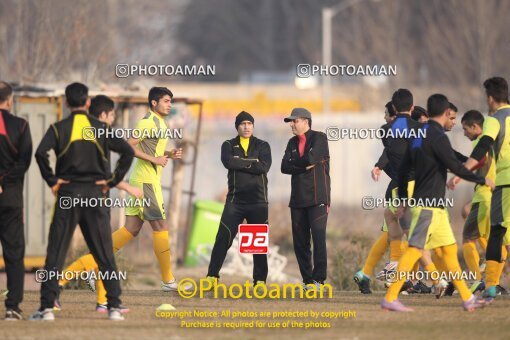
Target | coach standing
(248,160)
(307,160)
(15,156)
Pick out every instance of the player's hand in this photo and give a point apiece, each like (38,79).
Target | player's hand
(376,173)
(56,187)
(490,183)
(453,182)
(134,191)
(1,190)
(104,185)
(310,167)
(161,160)
(175,153)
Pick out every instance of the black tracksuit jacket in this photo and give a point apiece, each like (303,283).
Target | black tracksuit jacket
(308,187)
(247,175)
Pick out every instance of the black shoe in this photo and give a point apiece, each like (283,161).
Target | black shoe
(363,282)
(421,288)
(450,289)
(13,314)
(407,286)
(500,290)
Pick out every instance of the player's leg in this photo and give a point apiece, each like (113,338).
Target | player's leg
(13,247)
(376,252)
(62,227)
(394,235)
(301,237)
(421,220)
(441,236)
(258,214)
(470,302)
(232,216)
(95,227)
(119,239)
(500,213)
(470,234)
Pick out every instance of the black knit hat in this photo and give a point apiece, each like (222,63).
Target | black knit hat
(242,116)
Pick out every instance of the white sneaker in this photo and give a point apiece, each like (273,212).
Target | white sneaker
(91,280)
(170,286)
(44,315)
(115,314)
(440,288)
(173,286)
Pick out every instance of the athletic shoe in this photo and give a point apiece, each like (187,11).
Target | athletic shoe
(305,287)
(477,286)
(473,303)
(318,285)
(172,286)
(56,304)
(420,288)
(91,280)
(449,289)
(500,290)
(408,285)
(213,282)
(490,294)
(115,314)
(395,306)
(43,315)
(440,288)
(103,308)
(388,274)
(363,282)
(13,314)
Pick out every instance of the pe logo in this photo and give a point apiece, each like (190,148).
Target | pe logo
(253,238)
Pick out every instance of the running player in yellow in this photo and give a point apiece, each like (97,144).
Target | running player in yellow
(494,135)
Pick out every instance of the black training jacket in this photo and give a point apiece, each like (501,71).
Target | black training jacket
(308,187)
(15,157)
(431,157)
(81,159)
(247,175)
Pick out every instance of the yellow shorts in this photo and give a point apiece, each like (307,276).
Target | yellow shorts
(430,228)
(154,210)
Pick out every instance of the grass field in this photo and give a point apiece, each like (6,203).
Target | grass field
(432,318)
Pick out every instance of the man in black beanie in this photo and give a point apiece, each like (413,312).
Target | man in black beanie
(248,160)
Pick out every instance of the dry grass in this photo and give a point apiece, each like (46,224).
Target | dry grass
(432,319)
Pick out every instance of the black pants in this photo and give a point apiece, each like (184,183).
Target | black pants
(232,216)
(310,223)
(12,237)
(95,226)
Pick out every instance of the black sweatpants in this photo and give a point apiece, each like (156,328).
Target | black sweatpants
(12,237)
(310,224)
(95,226)
(233,215)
